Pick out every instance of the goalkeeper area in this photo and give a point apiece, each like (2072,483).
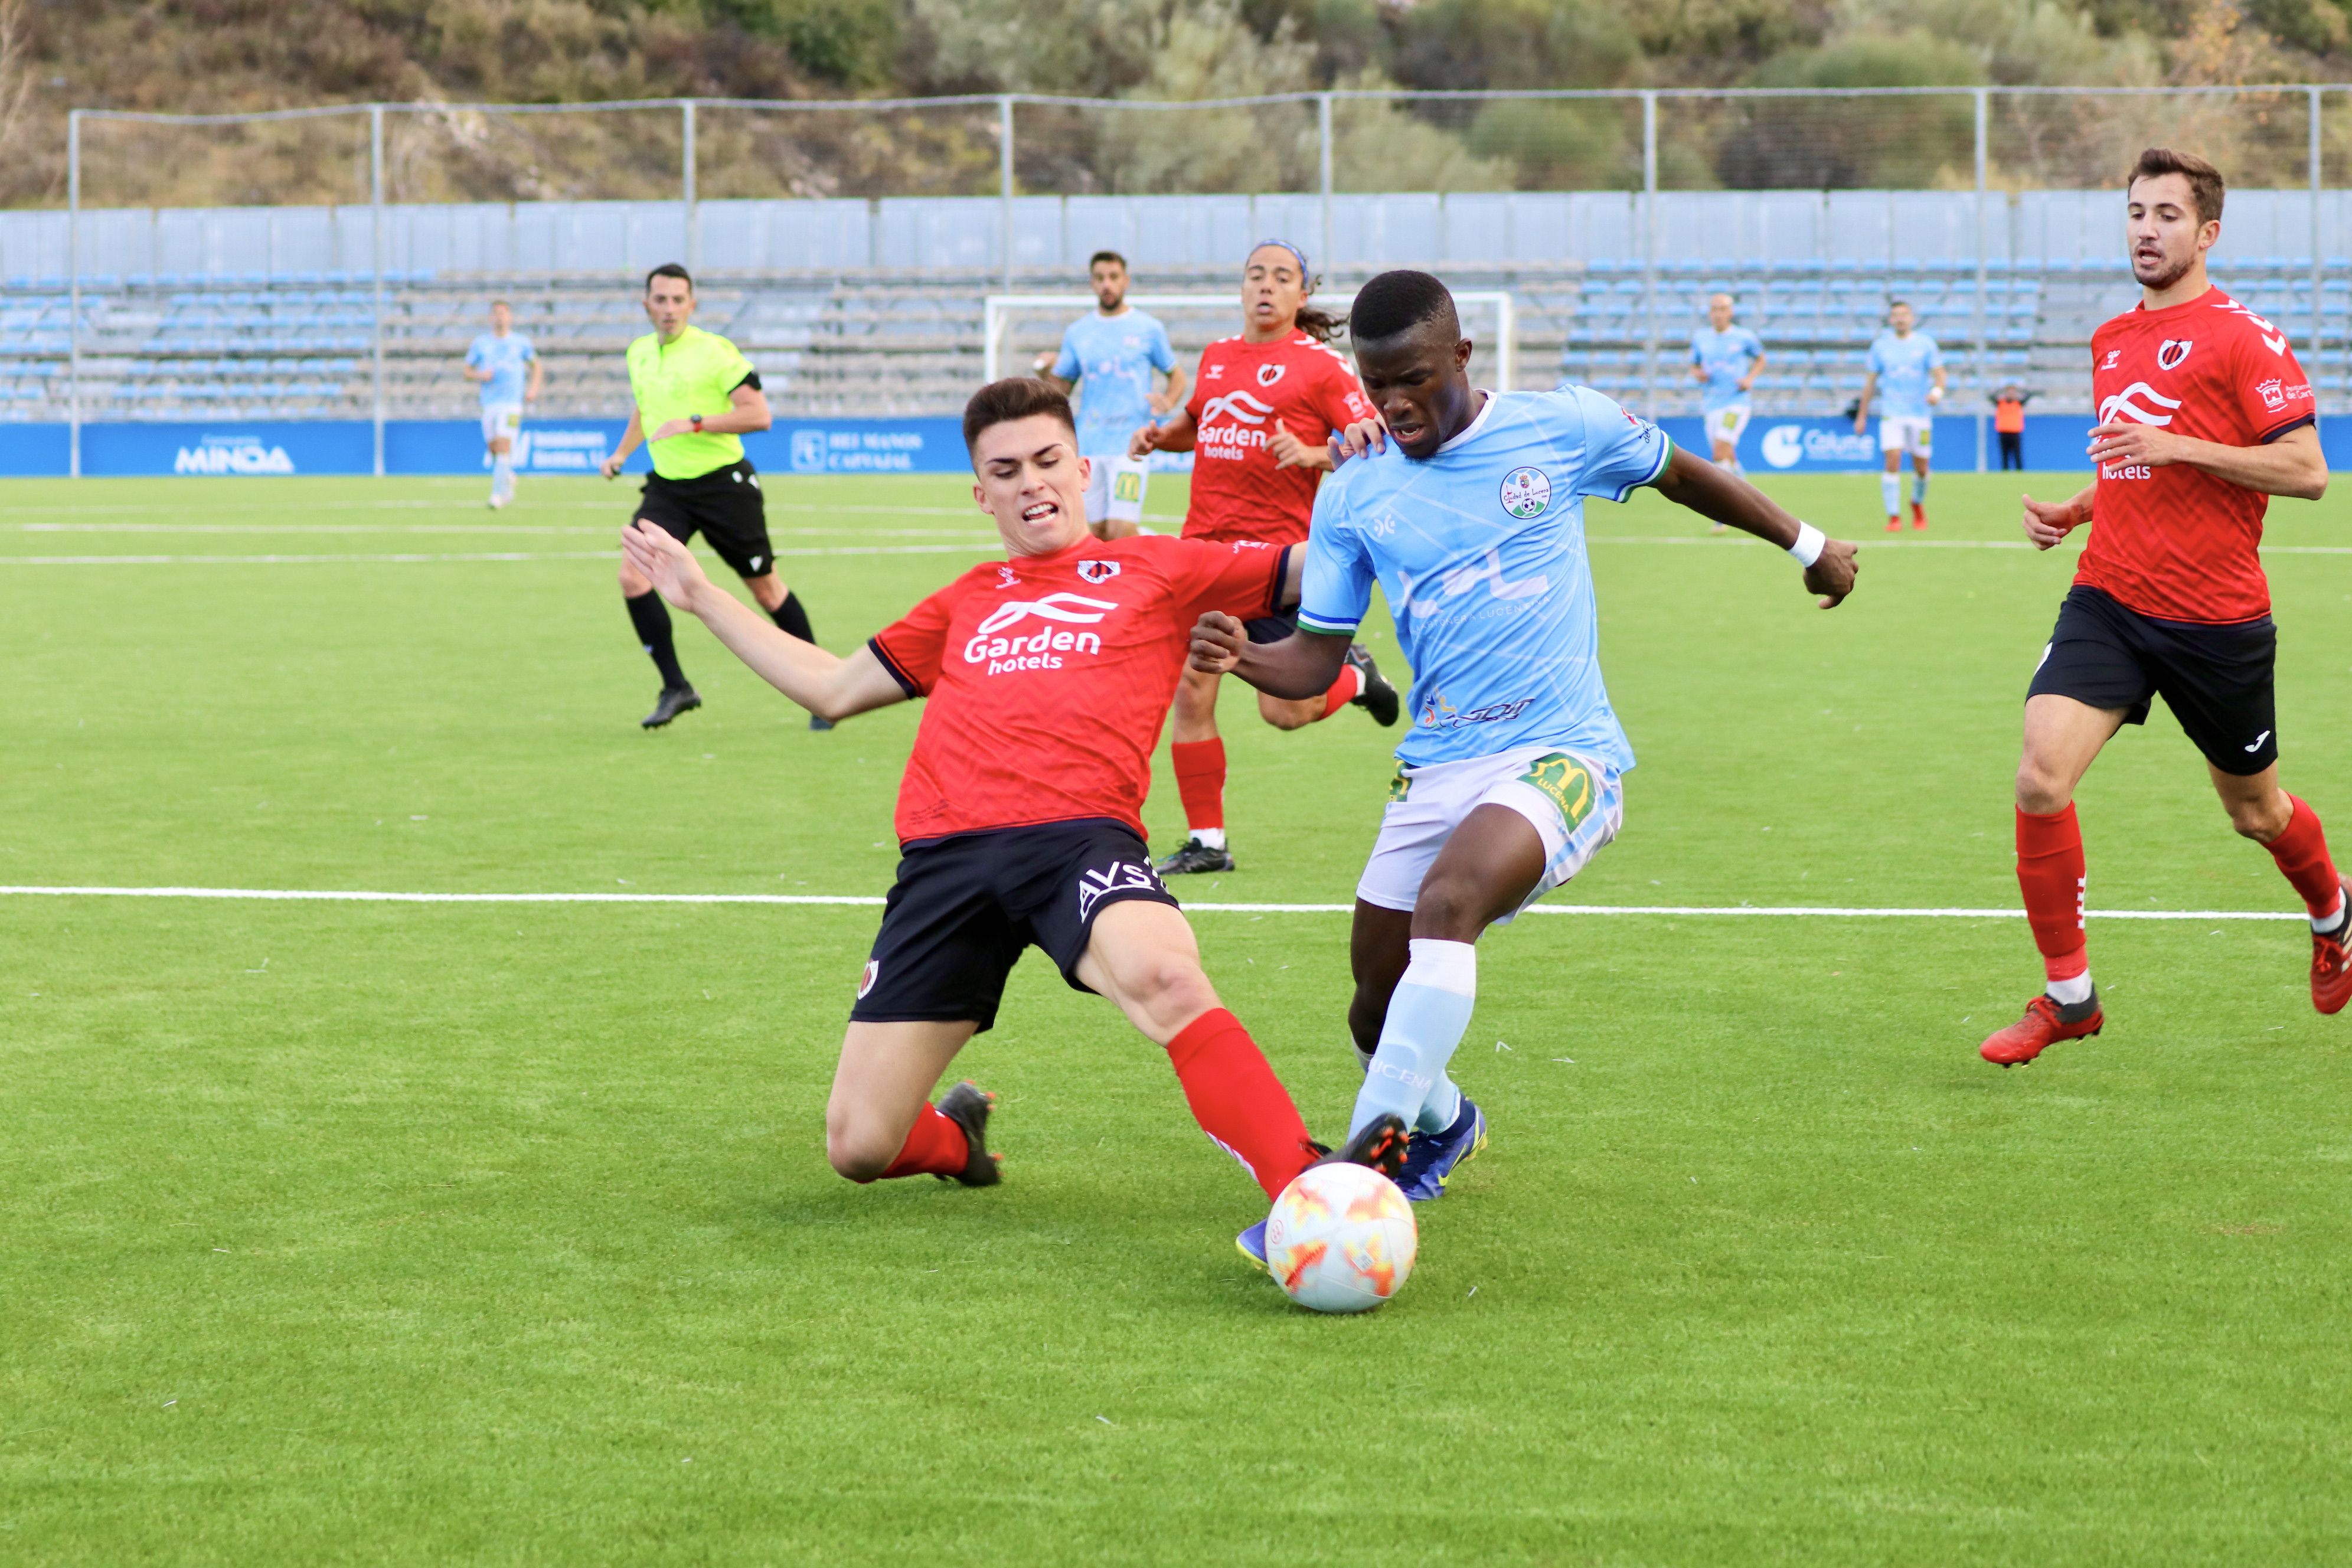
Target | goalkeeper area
(469,1230)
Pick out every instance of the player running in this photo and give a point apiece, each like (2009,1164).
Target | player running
(1911,368)
(1508,784)
(695,394)
(495,359)
(1119,353)
(1726,360)
(1264,405)
(1020,813)
(2203,415)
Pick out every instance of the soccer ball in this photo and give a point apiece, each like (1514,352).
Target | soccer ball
(1342,1238)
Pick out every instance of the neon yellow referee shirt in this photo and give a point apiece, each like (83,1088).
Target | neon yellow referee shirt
(691,375)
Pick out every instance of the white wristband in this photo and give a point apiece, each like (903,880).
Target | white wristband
(1810,541)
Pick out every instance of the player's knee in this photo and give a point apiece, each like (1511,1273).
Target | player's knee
(2261,820)
(2041,790)
(857,1147)
(1169,987)
(1285,715)
(1452,907)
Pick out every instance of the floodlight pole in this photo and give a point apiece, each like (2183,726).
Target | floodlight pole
(73,292)
(1004,181)
(1984,107)
(1650,253)
(691,207)
(375,270)
(2318,292)
(1323,137)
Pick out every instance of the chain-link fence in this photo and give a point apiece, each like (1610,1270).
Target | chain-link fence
(853,232)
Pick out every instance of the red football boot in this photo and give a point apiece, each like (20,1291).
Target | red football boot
(2046,1022)
(1894,525)
(2331,967)
(1918,517)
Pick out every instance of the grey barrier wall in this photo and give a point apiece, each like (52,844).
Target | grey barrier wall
(1057,232)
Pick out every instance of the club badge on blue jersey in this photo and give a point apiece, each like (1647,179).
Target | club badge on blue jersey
(1525,492)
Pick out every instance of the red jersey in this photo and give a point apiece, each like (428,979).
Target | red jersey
(1243,388)
(2176,542)
(1049,677)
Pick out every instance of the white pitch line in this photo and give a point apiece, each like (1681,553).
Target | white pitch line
(374,559)
(1801,912)
(469,529)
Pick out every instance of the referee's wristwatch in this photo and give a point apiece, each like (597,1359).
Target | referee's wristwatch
(695,420)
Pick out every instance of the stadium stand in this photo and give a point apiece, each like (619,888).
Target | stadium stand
(300,345)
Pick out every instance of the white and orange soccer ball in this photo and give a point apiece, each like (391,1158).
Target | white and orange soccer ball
(1342,1238)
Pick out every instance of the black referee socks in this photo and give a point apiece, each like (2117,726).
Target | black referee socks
(791,619)
(651,618)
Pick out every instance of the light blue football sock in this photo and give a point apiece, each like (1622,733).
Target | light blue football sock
(502,476)
(1918,489)
(1438,1111)
(1427,1015)
(1890,491)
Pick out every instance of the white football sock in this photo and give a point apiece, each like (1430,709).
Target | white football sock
(2328,922)
(1210,837)
(2068,992)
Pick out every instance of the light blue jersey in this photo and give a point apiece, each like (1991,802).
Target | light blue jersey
(1905,369)
(506,358)
(1112,359)
(1726,356)
(1480,553)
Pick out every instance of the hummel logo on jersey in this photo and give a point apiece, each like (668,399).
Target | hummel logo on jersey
(2173,351)
(2122,404)
(1213,373)
(1267,375)
(1097,571)
(2109,362)
(1040,649)
(2258,743)
(1006,577)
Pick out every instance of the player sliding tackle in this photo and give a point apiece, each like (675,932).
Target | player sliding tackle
(1473,526)
(1020,811)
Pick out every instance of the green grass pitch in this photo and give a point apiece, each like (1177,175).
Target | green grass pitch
(502,1234)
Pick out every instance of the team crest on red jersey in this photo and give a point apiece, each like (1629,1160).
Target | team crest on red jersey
(1267,375)
(2172,351)
(1097,571)
(2273,393)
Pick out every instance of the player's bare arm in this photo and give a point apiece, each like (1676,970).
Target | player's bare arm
(1302,665)
(2291,466)
(747,412)
(2048,521)
(630,439)
(1721,496)
(1171,397)
(538,380)
(824,683)
(1756,368)
(1290,452)
(1861,406)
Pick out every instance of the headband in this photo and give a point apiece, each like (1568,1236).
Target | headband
(1284,244)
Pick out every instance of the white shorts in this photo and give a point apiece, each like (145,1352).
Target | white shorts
(1726,425)
(1575,804)
(1115,490)
(501,422)
(1912,438)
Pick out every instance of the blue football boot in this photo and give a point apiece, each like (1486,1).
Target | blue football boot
(1382,1145)
(1434,1156)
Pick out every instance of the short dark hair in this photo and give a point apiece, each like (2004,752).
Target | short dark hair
(1099,257)
(1015,398)
(1394,303)
(2206,189)
(669,269)
(1895,305)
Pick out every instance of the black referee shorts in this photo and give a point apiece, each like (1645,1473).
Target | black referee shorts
(2219,681)
(723,506)
(964,907)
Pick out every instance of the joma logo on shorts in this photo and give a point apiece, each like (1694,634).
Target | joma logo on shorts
(1117,877)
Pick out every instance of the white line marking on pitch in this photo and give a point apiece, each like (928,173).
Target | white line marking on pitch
(1809,912)
(374,559)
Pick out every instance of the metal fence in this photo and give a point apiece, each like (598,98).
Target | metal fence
(1975,146)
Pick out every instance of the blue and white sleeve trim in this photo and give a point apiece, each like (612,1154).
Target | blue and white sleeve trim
(1665,456)
(1327,625)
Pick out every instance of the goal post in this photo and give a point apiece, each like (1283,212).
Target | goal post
(1488,319)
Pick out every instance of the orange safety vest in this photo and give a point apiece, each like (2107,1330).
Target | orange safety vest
(2009,415)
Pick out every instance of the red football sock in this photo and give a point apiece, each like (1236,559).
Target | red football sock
(1238,1101)
(2050,873)
(1200,781)
(934,1147)
(2301,856)
(1344,691)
